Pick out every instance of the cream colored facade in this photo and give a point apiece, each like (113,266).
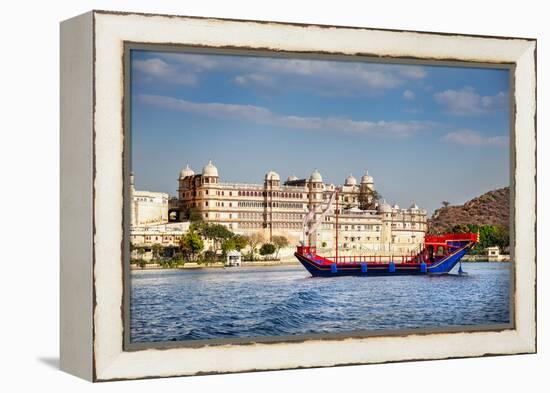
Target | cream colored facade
(167,235)
(147,207)
(145,237)
(275,208)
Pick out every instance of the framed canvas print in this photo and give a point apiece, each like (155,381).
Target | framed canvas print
(247,195)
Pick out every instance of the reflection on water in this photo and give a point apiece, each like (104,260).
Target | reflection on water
(175,305)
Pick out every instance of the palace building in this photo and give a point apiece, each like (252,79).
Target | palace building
(147,207)
(279,208)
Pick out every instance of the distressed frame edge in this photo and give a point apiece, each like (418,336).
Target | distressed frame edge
(304,24)
(525,129)
(528,339)
(76,207)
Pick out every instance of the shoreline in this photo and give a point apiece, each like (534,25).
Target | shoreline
(217,265)
(266,264)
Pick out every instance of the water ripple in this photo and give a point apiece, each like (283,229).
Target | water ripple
(176,305)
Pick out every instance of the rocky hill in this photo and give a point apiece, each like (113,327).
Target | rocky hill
(491,208)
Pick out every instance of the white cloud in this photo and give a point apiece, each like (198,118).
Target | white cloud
(159,70)
(332,72)
(331,77)
(473,138)
(254,79)
(411,72)
(322,76)
(263,116)
(409,95)
(467,102)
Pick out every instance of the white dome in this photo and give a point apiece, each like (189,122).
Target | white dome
(292,178)
(396,206)
(210,170)
(414,206)
(186,172)
(367,179)
(384,207)
(316,177)
(350,180)
(271,175)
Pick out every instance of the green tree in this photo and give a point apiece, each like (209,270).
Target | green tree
(254,240)
(191,244)
(373,198)
(267,249)
(241,242)
(502,238)
(209,256)
(368,200)
(217,233)
(279,242)
(460,228)
(195,216)
(445,204)
(228,245)
(489,235)
(156,249)
(196,226)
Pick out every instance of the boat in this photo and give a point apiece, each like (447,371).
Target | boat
(439,255)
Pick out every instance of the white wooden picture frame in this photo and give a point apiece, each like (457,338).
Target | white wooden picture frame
(93,184)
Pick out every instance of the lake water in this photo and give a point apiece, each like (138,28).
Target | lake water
(175,305)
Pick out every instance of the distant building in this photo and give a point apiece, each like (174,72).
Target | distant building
(168,234)
(147,207)
(233,258)
(144,237)
(493,251)
(273,209)
(494,255)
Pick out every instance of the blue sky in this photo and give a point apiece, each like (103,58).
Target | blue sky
(425,133)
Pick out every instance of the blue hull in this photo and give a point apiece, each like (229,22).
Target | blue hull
(443,266)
